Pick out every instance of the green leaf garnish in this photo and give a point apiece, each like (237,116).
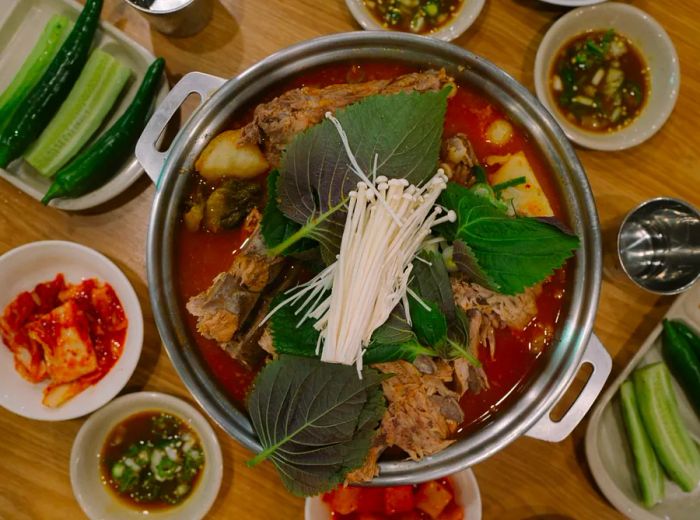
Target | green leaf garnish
(458,338)
(466,262)
(315,420)
(280,233)
(506,254)
(431,282)
(395,330)
(430,324)
(446,327)
(386,352)
(402,132)
(289,336)
(392,341)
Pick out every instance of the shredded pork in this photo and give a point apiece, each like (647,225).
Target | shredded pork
(422,412)
(488,310)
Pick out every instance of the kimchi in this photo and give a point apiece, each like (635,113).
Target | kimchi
(69,335)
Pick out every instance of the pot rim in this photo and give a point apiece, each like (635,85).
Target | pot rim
(542,390)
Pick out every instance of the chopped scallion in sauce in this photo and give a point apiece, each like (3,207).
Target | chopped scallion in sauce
(599,81)
(152,460)
(416,16)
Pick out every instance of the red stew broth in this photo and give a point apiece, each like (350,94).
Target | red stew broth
(200,257)
(203,255)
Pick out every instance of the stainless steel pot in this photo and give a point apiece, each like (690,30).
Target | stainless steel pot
(528,414)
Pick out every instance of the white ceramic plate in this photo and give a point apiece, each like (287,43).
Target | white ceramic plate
(466,16)
(572,3)
(607,447)
(20,24)
(24,267)
(654,44)
(466,494)
(98,502)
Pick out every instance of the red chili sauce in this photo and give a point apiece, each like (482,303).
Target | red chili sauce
(202,255)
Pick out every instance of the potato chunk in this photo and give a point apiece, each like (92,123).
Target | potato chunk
(227,156)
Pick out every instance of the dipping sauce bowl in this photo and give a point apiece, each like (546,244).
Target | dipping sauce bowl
(659,245)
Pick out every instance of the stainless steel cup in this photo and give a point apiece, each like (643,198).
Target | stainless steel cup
(659,245)
(175,17)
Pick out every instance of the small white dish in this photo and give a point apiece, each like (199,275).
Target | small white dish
(572,3)
(98,502)
(20,24)
(466,495)
(655,46)
(21,269)
(607,447)
(466,16)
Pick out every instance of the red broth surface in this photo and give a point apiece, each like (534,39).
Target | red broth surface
(202,255)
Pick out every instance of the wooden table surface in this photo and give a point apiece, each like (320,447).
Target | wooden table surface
(528,479)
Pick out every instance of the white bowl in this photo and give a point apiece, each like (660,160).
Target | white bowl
(464,484)
(572,3)
(653,43)
(465,17)
(24,267)
(98,502)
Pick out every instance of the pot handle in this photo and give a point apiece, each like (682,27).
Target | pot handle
(545,428)
(147,154)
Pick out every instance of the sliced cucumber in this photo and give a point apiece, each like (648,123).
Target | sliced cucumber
(672,443)
(650,476)
(81,114)
(51,39)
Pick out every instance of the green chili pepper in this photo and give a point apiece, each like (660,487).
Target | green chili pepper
(690,336)
(682,361)
(97,164)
